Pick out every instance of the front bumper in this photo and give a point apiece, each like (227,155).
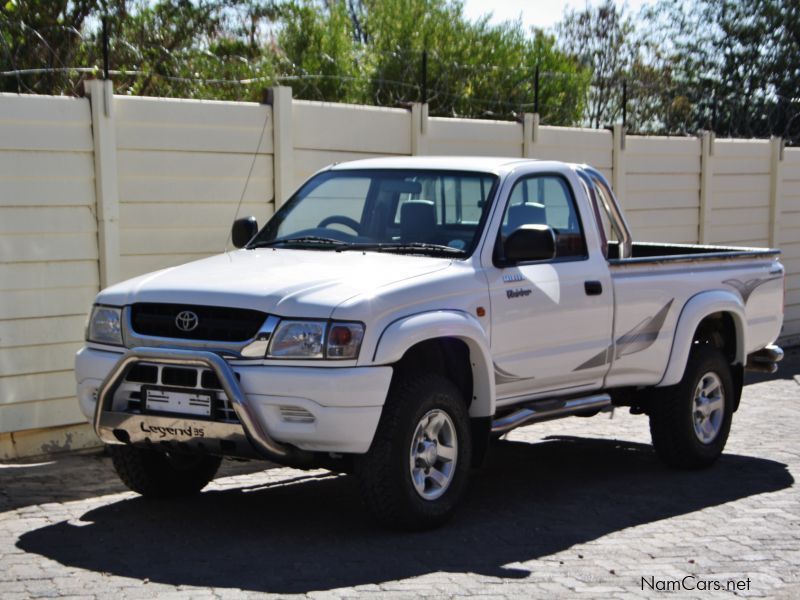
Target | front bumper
(344,405)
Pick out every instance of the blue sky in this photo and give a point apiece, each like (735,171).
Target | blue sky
(539,13)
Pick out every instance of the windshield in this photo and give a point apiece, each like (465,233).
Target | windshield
(411,211)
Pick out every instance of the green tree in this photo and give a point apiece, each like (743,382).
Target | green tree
(43,40)
(473,69)
(190,49)
(317,52)
(601,38)
(735,64)
(366,51)
(182,48)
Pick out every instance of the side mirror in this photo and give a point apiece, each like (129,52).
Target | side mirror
(243,231)
(530,243)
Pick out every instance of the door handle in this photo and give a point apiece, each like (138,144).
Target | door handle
(593,288)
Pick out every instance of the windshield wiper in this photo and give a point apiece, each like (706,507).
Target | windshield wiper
(340,246)
(403,247)
(310,240)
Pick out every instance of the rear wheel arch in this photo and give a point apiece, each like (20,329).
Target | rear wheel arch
(721,331)
(715,317)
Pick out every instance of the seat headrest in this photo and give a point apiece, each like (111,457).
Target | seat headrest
(530,213)
(417,221)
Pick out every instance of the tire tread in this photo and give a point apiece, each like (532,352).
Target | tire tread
(150,473)
(381,483)
(671,429)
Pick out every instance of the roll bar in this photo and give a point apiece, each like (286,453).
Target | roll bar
(599,189)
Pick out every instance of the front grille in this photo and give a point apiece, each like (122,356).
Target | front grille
(213,323)
(143,373)
(178,376)
(197,378)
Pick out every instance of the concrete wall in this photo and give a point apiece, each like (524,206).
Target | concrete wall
(48,256)
(182,170)
(99,189)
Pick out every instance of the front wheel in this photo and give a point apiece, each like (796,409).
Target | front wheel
(162,475)
(690,422)
(417,467)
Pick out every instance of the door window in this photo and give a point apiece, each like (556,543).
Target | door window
(547,200)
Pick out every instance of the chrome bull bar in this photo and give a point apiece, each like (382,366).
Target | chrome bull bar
(139,428)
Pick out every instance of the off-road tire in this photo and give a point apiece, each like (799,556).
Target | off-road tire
(384,473)
(672,413)
(161,475)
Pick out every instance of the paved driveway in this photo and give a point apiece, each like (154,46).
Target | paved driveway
(578,507)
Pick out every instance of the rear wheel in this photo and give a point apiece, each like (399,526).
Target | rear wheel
(690,422)
(417,467)
(162,475)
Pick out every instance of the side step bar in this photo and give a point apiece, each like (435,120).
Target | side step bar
(544,410)
(765,360)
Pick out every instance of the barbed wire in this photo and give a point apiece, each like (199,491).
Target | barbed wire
(391,78)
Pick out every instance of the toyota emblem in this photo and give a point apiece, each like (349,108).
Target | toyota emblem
(187,321)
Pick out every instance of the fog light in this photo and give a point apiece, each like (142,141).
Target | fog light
(296,414)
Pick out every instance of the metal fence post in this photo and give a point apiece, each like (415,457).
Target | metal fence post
(624,102)
(424,76)
(105,47)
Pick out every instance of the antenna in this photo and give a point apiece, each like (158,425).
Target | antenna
(249,175)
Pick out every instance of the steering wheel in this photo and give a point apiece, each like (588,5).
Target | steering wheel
(341,220)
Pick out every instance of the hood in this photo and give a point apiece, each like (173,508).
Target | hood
(285,282)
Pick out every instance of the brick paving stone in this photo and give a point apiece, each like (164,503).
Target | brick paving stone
(577,507)
(7,587)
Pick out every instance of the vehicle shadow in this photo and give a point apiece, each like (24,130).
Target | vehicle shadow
(77,476)
(531,500)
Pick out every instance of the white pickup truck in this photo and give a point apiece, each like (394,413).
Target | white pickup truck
(396,314)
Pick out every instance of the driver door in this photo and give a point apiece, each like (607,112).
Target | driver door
(551,319)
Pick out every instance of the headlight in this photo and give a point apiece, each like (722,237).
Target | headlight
(316,339)
(105,326)
(298,339)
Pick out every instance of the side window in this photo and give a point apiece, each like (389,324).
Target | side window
(547,200)
(458,199)
(463,199)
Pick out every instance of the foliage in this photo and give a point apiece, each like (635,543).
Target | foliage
(45,37)
(189,48)
(473,69)
(318,54)
(601,38)
(730,65)
(367,51)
